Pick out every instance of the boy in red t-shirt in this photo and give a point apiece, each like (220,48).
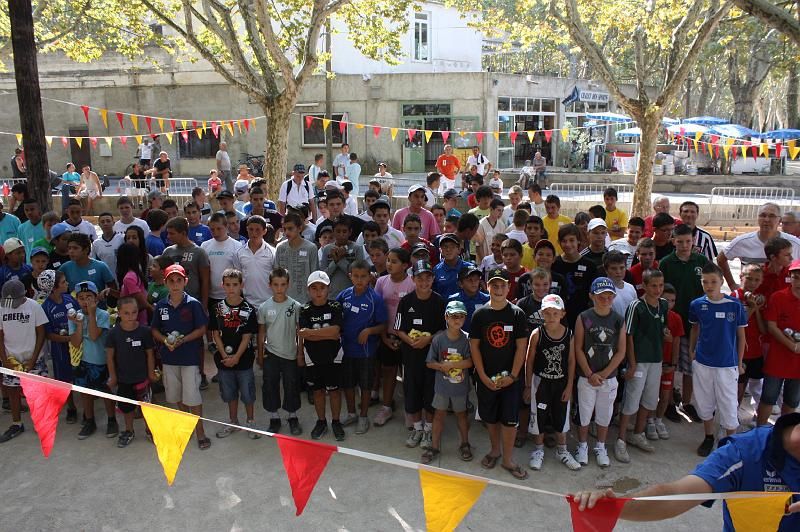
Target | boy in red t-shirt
(776,271)
(782,365)
(511,251)
(672,335)
(646,253)
(751,278)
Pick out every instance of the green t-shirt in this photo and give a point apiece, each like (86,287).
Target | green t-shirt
(43,243)
(685,276)
(645,324)
(156,292)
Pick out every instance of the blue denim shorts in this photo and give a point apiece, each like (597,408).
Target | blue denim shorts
(772,389)
(237,384)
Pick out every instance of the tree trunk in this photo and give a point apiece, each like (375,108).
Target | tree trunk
(792,93)
(26,72)
(743,102)
(649,122)
(703,98)
(279,116)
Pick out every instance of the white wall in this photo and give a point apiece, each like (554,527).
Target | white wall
(455,47)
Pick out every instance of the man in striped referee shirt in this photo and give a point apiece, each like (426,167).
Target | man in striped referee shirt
(703,243)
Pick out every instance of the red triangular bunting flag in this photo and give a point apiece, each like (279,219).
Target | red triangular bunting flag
(215,129)
(65,142)
(173,125)
(85,109)
(309,119)
(246,125)
(479,136)
(185,135)
(411,133)
(123,140)
(445,135)
(45,398)
(602,518)
(304,462)
(376,130)
(733,152)
(714,139)
(194,124)
(548,134)
(120,119)
(342,127)
(93,140)
(754,151)
(149,121)
(778,149)
(716,150)
(513,136)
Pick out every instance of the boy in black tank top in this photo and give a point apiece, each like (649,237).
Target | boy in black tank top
(550,373)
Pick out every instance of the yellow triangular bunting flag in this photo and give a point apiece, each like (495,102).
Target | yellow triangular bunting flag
(730,141)
(229,126)
(183,124)
(793,152)
(757,513)
(461,133)
(199,133)
(169,137)
(530,136)
(764,149)
(725,149)
(161,124)
(744,151)
(19,139)
(49,140)
(447,499)
(171,430)
(428,134)
(138,139)
(325,123)
(496,135)
(359,126)
(204,125)
(564,133)
(694,141)
(108,140)
(104,116)
(239,125)
(394,132)
(697,137)
(135,121)
(79,141)
(791,143)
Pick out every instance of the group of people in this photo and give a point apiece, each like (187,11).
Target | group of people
(544,320)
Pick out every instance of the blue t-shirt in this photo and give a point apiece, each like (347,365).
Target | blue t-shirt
(29,234)
(73,178)
(94,351)
(185,318)
(361,312)
(445,278)
(9,226)
(719,322)
(155,246)
(57,316)
(472,303)
(199,234)
(94,271)
(754,461)
(7,273)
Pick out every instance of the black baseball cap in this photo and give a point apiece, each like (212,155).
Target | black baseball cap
(450,193)
(467,271)
(379,203)
(300,167)
(225,194)
(422,266)
(420,247)
(449,237)
(497,273)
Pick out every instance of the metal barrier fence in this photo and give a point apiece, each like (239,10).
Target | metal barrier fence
(741,204)
(577,197)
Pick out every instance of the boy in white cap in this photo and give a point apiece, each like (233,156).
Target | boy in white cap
(22,336)
(15,266)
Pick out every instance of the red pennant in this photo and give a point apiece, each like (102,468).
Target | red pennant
(754,151)
(714,139)
(309,119)
(194,124)
(304,462)
(149,121)
(185,135)
(215,129)
(602,518)
(683,131)
(85,109)
(342,127)
(123,140)
(120,118)
(93,140)
(411,133)
(479,136)
(513,136)
(445,135)
(65,142)
(173,125)
(733,151)
(778,149)
(247,125)
(45,399)
(716,150)
(548,134)
(376,130)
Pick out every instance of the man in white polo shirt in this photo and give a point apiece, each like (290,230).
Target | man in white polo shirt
(255,260)
(297,190)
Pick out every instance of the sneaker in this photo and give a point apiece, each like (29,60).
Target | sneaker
(706,447)
(690,411)
(251,423)
(661,430)
(349,419)
(89,427)
(621,452)
(537,458)
(383,415)
(72,416)
(640,442)
(112,429)
(601,455)
(274,425)
(565,458)
(363,425)
(427,439)
(13,431)
(776,410)
(338,430)
(673,415)
(319,430)
(294,426)
(125,438)
(203,383)
(414,437)
(582,455)
(650,431)
(226,431)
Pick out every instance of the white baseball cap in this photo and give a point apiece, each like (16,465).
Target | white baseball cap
(318,277)
(594,223)
(552,301)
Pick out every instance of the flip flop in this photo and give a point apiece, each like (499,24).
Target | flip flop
(489,461)
(516,471)
(429,456)
(465,452)
(204,443)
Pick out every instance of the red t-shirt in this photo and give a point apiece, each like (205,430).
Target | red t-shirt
(784,309)
(648,226)
(448,165)
(675,326)
(752,334)
(636,274)
(513,281)
(433,252)
(773,282)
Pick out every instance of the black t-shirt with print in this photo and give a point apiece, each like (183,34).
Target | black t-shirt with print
(578,277)
(232,321)
(425,315)
(130,358)
(318,317)
(498,331)
(525,284)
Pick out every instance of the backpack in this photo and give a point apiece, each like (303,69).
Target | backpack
(305,182)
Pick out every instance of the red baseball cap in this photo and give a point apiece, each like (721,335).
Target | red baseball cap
(795,265)
(175,268)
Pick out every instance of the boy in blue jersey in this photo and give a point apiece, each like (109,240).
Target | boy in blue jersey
(198,233)
(445,273)
(469,279)
(82,268)
(55,307)
(15,267)
(156,220)
(716,347)
(365,318)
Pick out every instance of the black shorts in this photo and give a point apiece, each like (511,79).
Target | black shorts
(324,376)
(550,410)
(753,369)
(418,381)
(388,356)
(358,372)
(138,392)
(145,162)
(499,406)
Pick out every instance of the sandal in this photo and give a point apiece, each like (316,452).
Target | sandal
(489,461)
(429,455)
(519,441)
(465,451)
(203,443)
(516,471)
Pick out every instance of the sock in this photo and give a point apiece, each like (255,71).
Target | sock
(292,415)
(561,449)
(583,444)
(418,425)
(273,415)
(541,447)
(651,421)
(600,445)
(427,427)
(658,420)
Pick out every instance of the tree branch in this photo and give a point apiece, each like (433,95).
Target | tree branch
(774,16)
(639,46)
(318,18)
(678,38)
(271,42)
(259,50)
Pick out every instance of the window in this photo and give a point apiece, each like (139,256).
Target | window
(197,148)
(315,135)
(518,104)
(548,106)
(503,104)
(426,109)
(422,36)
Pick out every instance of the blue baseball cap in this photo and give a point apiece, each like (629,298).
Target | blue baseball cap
(86,286)
(603,284)
(39,251)
(270,205)
(59,229)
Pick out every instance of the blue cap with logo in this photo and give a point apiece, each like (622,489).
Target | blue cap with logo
(603,284)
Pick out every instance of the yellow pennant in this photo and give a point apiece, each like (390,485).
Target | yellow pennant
(359,126)
(108,140)
(758,513)
(694,141)
(104,116)
(239,125)
(530,136)
(138,139)
(199,133)
(172,430)
(428,134)
(19,139)
(169,137)
(461,133)
(325,123)
(564,133)
(135,121)
(204,125)
(393,131)
(725,149)
(161,124)
(496,135)
(253,123)
(730,141)
(793,152)
(49,141)
(744,151)
(791,143)
(79,141)
(447,499)
(229,127)
(764,149)
(183,124)
(697,137)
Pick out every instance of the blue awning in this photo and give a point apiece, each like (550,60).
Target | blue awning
(733,131)
(609,117)
(782,134)
(706,121)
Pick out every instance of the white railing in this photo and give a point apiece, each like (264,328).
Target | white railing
(741,204)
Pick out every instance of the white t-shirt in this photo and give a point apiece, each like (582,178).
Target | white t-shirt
(121,227)
(486,233)
(255,268)
(626,248)
(750,249)
(479,161)
(106,251)
(298,194)
(518,235)
(393,238)
(224,160)
(340,163)
(86,228)
(351,205)
(430,198)
(16,323)
(145,151)
(625,296)
(220,257)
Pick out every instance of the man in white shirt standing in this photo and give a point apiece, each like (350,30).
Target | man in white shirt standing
(479,160)
(145,150)
(341,161)
(255,260)
(353,172)
(297,190)
(221,251)
(224,166)
(127,219)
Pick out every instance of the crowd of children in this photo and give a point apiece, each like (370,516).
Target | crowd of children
(541,319)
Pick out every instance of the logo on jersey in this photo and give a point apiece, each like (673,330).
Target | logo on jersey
(497,336)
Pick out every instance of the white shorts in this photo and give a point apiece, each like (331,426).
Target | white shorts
(642,389)
(716,389)
(182,384)
(91,194)
(446,184)
(599,400)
